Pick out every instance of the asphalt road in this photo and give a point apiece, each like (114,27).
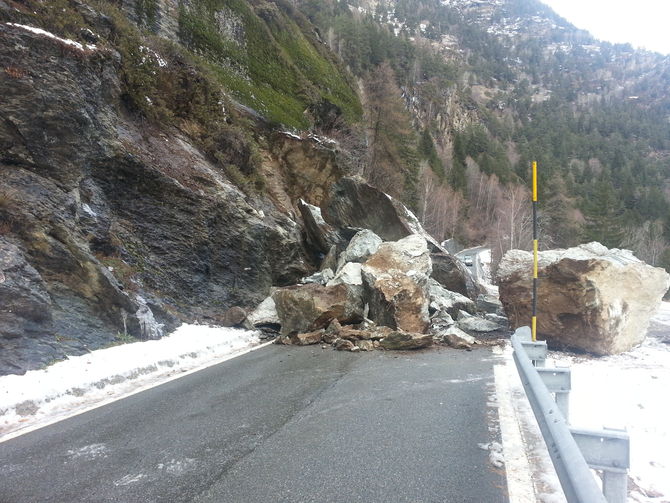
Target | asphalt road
(277,425)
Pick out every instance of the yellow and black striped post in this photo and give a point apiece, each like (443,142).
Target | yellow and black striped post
(534,318)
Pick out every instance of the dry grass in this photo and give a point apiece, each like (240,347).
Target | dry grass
(15,72)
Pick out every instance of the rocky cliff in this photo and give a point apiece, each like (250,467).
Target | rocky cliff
(120,221)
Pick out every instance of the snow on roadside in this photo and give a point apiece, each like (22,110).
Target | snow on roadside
(82,382)
(622,391)
(629,391)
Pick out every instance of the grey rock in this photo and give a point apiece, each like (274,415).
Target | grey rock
(321,278)
(490,304)
(442,299)
(320,235)
(453,275)
(264,314)
(361,246)
(25,313)
(330,259)
(349,274)
(354,203)
(500,320)
(476,324)
(440,322)
(458,339)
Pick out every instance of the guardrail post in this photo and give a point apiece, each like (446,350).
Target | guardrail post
(559,382)
(607,450)
(536,351)
(615,486)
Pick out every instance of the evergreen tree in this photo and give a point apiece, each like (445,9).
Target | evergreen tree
(604,215)
(392,164)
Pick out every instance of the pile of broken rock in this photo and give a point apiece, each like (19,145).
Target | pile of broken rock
(379,293)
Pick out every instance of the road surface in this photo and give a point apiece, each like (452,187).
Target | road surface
(474,264)
(278,425)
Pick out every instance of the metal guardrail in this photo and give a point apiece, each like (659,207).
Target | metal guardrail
(572,451)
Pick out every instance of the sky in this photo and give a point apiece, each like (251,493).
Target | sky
(642,23)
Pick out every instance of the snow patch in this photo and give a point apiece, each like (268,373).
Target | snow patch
(79,383)
(150,54)
(66,41)
(129,479)
(621,391)
(88,452)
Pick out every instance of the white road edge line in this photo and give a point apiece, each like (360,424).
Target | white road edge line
(106,401)
(520,485)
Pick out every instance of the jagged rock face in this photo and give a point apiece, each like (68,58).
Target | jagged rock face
(395,280)
(452,274)
(25,312)
(106,209)
(306,308)
(445,300)
(319,235)
(589,298)
(354,203)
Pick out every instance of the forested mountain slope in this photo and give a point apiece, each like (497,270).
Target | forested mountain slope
(498,83)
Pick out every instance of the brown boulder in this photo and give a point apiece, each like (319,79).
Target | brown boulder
(305,308)
(405,340)
(233,317)
(344,345)
(589,298)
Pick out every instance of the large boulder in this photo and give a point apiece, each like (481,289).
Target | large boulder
(310,307)
(354,203)
(590,298)
(453,275)
(442,299)
(320,236)
(396,284)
